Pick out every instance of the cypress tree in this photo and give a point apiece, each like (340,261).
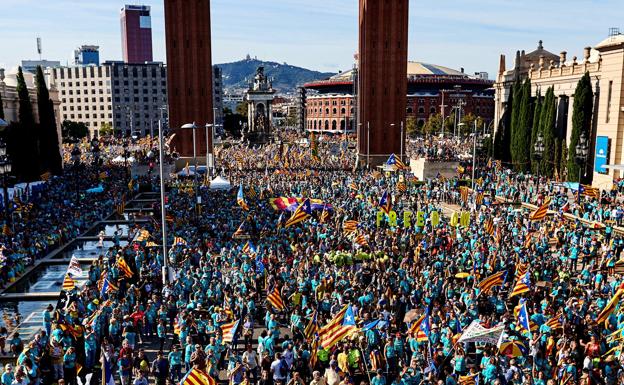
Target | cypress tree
(48,137)
(27,157)
(535,125)
(516,101)
(547,128)
(581,124)
(521,141)
(502,138)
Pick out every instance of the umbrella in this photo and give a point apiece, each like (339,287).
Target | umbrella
(462,275)
(411,315)
(512,348)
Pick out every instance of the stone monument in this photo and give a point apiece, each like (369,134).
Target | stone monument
(259,98)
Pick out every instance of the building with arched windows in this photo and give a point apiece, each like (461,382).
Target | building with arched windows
(331,107)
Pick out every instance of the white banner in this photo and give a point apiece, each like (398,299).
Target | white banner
(74,267)
(477,333)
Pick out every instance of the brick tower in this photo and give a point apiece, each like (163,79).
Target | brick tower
(189,71)
(382,81)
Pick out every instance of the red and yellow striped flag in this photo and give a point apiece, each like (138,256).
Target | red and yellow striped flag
(276,300)
(493,280)
(68,283)
(541,212)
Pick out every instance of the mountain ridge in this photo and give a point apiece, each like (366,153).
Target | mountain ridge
(286,77)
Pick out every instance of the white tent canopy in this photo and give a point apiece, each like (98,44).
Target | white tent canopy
(121,159)
(220,183)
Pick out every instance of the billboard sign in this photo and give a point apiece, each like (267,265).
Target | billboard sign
(602,154)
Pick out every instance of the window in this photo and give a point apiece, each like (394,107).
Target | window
(432,110)
(342,110)
(609,94)
(410,110)
(327,111)
(421,110)
(334,111)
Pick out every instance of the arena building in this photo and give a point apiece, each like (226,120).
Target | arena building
(431,89)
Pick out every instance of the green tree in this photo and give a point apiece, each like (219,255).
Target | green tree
(241,109)
(521,130)
(411,128)
(547,128)
(106,129)
(502,137)
(563,160)
(49,150)
(232,123)
(72,131)
(515,119)
(535,122)
(26,156)
(468,121)
(581,124)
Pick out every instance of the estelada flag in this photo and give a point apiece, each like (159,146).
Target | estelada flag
(123,266)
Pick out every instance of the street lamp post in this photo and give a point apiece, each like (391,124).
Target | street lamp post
(368,145)
(75,156)
(193,127)
(95,152)
(163,213)
(5,171)
(402,139)
(582,150)
(538,153)
(474,152)
(126,155)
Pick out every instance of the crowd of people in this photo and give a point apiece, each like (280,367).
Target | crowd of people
(371,280)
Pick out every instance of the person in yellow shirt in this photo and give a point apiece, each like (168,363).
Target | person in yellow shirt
(295,299)
(343,361)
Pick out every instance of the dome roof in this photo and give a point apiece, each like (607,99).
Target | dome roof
(414,68)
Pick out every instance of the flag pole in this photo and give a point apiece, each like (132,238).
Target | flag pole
(163,214)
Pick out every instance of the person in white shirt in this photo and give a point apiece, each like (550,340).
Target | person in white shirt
(250,360)
(331,374)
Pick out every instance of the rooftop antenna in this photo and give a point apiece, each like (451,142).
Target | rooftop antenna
(39,47)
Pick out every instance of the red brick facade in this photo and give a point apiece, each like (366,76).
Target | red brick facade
(189,71)
(330,112)
(382,72)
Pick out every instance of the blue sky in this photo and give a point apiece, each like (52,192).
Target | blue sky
(320,34)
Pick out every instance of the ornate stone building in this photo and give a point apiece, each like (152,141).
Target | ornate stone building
(605,65)
(10,99)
